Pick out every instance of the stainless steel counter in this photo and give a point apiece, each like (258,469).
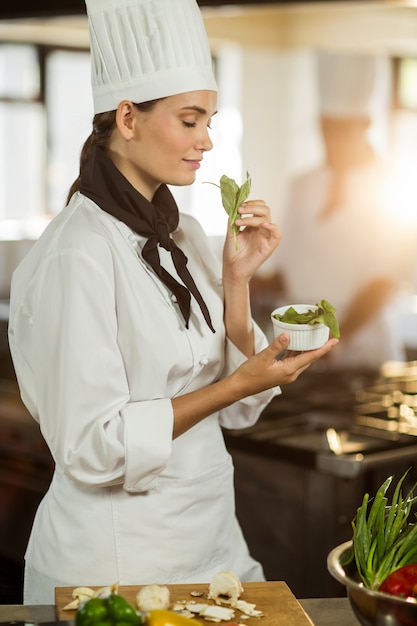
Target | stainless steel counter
(322,612)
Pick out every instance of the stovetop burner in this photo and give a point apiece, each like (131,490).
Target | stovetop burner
(338,422)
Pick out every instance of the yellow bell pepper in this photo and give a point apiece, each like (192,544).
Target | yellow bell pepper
(162,617)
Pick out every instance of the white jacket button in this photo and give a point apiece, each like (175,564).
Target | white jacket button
(204,360)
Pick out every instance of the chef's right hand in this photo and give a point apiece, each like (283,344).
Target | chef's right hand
(264,370)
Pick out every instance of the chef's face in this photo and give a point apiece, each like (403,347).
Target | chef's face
(167,143)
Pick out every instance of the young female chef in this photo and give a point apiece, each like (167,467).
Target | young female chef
(132,346)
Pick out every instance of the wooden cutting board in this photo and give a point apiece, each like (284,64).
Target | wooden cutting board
(274,599)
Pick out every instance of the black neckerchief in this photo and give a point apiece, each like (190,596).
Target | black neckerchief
(103,183)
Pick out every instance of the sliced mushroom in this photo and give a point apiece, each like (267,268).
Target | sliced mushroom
(217,613)
(225,588)
(248,608)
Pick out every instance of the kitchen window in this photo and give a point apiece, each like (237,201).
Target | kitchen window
(21,132)
(404,137)
(45,118)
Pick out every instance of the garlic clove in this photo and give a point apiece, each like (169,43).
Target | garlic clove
(74,604)
(82,592)
(152,597)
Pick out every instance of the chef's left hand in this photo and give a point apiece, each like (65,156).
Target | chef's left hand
(256,242)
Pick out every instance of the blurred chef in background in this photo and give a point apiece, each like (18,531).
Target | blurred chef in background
(339,237)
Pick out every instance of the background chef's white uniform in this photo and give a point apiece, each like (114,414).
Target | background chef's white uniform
(335,255)
(100,349)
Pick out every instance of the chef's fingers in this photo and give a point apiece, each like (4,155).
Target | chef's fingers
(294,360)
(255,207)
(271,367)
(290,364)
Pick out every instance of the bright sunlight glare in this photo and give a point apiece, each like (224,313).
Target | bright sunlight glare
(401,191)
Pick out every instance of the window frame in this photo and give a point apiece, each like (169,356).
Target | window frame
(33,224)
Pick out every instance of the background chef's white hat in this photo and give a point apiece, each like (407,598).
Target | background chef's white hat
(353,85)
(146,49)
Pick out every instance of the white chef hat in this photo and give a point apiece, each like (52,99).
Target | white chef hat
(146,49)
(353,85)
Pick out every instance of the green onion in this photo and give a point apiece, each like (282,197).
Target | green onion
(383,538)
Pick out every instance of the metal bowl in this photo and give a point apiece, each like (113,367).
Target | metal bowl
(372,608)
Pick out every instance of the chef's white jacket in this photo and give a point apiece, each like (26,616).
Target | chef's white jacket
(100,348)
(336,257)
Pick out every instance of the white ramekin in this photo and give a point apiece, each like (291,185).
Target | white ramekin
(302,336)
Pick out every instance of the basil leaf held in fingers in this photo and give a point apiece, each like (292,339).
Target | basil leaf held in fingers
(233,197)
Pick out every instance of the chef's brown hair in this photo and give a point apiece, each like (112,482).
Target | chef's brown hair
(103,126)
